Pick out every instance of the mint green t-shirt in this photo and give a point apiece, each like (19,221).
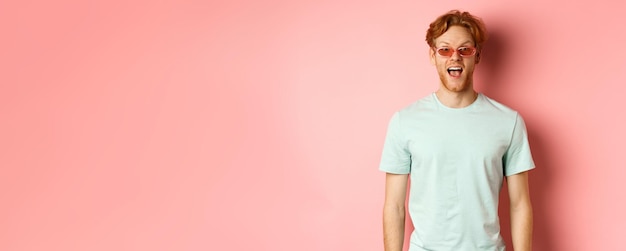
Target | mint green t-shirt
(456,158)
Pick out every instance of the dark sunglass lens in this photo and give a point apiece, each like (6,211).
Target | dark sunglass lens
(446,52)
(466,51)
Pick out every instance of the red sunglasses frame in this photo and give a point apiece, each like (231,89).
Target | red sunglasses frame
(451,51)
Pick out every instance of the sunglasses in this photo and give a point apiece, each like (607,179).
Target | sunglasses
(463,51)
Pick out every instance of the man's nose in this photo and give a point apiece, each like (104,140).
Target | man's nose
(455,55)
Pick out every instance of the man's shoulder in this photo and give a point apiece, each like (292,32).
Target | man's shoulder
(495,106)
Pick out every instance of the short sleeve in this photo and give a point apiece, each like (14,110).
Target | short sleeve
(396,157)
(518,157)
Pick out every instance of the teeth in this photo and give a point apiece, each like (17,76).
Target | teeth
(454,69)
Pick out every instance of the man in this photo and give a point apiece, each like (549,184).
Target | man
(456,146)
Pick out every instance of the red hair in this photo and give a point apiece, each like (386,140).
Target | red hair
(473,24)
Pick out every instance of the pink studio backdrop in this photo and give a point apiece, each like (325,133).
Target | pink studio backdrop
(258,125)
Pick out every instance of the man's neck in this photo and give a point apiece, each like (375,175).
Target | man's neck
(456,99)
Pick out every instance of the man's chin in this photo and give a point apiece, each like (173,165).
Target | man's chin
(456,87)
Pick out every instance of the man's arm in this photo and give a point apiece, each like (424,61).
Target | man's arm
(521,211)
(393,211)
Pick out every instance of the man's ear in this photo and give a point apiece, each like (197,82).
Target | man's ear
(431,52)
(477,57)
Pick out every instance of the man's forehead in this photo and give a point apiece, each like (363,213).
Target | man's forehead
(448,42)
(456,35)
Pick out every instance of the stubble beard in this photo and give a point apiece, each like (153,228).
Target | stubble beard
(466,86)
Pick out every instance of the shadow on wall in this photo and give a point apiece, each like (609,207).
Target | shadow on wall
(494,62)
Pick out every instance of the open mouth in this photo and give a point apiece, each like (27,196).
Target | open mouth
(455,71)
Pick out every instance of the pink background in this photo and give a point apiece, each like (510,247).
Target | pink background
(249,125)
